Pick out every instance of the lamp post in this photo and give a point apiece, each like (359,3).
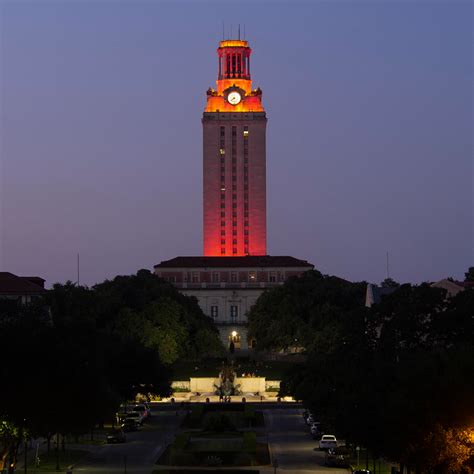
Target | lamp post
(275,465)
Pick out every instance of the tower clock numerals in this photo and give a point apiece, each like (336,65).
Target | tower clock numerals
(234,98)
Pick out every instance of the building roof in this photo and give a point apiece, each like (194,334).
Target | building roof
(234,262)
(375,293)
(11,284)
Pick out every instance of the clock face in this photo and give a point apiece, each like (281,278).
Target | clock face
(234,98)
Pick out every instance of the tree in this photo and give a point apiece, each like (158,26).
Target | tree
(469,275)
(389,283)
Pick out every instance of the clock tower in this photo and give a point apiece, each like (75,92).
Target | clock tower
(234,163)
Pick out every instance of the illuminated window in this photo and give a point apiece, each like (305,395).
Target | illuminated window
(222,151)
(222,188)
(214,312)
(252,276)
(246,131)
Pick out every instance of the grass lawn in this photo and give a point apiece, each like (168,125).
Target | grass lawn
(48,462)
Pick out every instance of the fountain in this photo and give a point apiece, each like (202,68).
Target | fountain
(227,386)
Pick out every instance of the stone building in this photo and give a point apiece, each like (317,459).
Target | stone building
(227,287)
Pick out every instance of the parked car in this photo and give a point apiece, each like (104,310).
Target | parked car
(115,436)
(361,471)
(310,420)
(135,416)
(337,457)
(129,425)
(142,407)
(328,442)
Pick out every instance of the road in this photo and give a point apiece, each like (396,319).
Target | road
(291,444)
(288,436)
(139,454)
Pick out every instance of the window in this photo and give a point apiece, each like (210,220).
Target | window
(234,187)
(234,277)
(246,232)
(195,277)
(234,214)
(246,241)
(234,196)
(234,131)
(222,196)
(222,214)
(234,232)
(222,251)
(222,232)
(246,223)
(222,223)
(215,276)
(222,131)
(222,241)
(222,151)
(252,276)
(246,250)
(234,241)
(234,312)
(234,205)
(273,277)
(246,131)
(214,312)
(234,250)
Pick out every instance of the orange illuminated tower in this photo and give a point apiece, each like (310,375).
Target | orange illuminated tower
(234,128)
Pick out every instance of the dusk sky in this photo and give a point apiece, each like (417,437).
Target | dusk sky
(369,137)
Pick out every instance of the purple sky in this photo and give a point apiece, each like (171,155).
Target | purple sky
(369,145)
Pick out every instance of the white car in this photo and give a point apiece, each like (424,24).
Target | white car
(328,442)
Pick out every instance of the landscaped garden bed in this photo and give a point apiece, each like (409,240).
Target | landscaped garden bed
(222,435)
(241,416)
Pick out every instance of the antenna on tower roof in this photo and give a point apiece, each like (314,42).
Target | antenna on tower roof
(239,31)
(244,30)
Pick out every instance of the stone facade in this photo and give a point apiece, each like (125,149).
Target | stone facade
(227,287)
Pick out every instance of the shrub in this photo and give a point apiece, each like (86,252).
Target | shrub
(250,442)
(219,423)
